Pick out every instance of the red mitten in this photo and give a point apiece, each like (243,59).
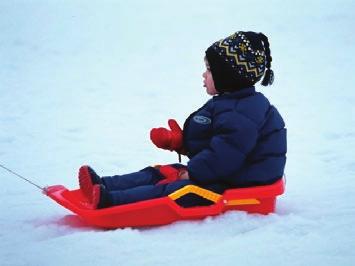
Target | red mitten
(167,139)
(170,173)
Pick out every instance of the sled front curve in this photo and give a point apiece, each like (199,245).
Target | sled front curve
(161,211)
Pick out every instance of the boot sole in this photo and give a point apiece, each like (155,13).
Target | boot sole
(85,182)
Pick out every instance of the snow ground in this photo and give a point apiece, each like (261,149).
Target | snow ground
(83,82)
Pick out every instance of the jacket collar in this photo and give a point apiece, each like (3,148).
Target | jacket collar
(236,94)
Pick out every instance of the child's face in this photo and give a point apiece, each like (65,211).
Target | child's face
(208,82)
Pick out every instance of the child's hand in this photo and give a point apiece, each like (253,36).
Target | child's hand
(184,175)
(172,174)
(167,139)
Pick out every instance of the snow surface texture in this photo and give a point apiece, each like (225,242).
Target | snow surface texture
(83,82)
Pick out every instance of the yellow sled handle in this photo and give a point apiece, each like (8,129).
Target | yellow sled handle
(212,196)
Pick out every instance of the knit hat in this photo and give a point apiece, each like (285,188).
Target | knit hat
(240,60)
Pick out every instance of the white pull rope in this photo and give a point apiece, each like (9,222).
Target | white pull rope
(20,176)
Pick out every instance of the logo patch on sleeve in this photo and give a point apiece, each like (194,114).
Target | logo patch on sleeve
(200,119)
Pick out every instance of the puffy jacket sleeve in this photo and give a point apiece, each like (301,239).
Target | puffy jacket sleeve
(234,136)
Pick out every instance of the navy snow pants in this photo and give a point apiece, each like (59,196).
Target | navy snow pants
(142,185)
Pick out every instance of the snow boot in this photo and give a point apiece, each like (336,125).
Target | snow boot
(87,179)
(99,197)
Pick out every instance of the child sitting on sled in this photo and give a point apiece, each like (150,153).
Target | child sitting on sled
(236,139)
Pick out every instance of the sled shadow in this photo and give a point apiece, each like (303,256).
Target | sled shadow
(73,221)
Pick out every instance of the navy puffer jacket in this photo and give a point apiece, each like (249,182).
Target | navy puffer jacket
(238,139)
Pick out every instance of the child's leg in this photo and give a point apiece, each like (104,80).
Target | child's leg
(146,176)
(144,192)
(156,191)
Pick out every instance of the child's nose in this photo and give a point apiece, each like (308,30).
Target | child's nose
(204,74)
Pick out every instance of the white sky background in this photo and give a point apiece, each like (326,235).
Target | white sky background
(83,82)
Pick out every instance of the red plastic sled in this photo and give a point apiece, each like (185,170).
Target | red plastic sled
(161,211)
